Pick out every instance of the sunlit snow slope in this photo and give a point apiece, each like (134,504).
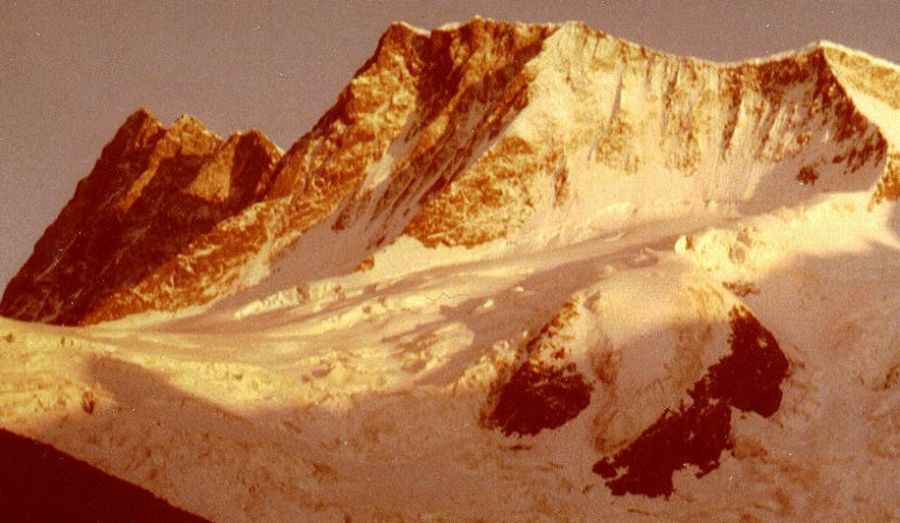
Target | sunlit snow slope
(517,273)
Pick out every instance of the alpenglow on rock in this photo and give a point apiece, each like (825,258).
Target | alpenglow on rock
(462,136)
(154,195)
(516,273)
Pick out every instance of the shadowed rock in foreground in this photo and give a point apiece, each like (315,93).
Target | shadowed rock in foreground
(749,379)
(40,483)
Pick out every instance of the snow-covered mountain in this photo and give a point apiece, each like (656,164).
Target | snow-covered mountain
(520,133)
(517,272)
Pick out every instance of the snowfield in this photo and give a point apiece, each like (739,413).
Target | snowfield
(366,397)
(642,319)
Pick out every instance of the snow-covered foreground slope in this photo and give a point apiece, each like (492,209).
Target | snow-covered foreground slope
(375,395)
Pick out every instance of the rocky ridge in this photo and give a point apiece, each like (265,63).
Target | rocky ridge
(151,195)
(459,137)
(516,273)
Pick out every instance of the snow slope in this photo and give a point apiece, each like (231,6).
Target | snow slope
(368,398)
(566,279)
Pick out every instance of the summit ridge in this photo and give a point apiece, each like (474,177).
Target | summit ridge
(461,136)
(516,272)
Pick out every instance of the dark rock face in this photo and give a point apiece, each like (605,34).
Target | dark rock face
(749,379)
(546,390)
(540,397)
(40,484)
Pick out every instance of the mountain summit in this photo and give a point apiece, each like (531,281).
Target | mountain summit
(457,137)
(516,273)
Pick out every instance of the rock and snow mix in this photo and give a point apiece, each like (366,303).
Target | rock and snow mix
(517,273)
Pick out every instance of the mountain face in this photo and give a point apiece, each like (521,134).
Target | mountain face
(459,137)
(153,193)
(516,273)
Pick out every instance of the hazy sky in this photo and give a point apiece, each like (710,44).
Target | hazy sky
(70,72)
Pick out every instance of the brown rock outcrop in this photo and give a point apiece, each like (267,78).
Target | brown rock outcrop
(151,194)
